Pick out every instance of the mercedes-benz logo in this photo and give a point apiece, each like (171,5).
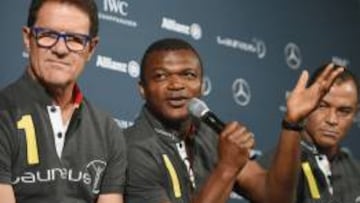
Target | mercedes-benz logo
(95,168)
(293,55)
(206,86)
(241,92)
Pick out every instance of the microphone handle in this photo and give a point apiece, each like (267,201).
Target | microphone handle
(214,122)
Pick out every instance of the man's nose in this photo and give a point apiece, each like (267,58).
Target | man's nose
(332,117)
(60,46)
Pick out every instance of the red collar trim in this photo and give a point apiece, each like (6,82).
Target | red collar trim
(77,95)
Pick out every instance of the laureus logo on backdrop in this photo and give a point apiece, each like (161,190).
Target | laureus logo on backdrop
(132,67)
(256,46)
(116,11)
(194,30)
(241,92)
(206,86)
(293,56)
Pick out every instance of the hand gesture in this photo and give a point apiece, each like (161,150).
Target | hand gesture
(235,143)
(304,99)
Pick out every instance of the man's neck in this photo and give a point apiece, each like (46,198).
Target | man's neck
(62,97)
(329,152)
(181,127)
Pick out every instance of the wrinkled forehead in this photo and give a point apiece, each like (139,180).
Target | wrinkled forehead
(344,92)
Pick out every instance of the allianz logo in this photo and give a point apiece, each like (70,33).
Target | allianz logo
(194,30)
(132,67)
(257,46)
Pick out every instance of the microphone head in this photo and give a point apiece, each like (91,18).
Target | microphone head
(197,107)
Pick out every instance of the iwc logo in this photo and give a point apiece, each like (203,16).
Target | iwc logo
(116,6)
(293,56)
(241,92)
(116,11)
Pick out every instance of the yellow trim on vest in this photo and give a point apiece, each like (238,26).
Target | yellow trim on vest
(26,123)
(173,175)
(314,190)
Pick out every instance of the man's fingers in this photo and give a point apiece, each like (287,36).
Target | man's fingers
(301,83)
(326,73)
(327,77)
(242,137)
(333,74)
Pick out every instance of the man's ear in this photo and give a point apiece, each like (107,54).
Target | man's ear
(141,89)
(26,38)
(93,43)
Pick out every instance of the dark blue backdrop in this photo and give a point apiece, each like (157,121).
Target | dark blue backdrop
(259,47)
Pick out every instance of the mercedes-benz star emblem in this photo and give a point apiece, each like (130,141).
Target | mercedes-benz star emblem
(241,92)
(293,56)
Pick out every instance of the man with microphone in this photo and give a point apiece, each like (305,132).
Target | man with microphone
(174,156)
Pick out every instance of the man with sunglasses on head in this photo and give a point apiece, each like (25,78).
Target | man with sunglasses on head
(54,145)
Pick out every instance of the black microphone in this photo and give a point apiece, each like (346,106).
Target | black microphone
(199,109)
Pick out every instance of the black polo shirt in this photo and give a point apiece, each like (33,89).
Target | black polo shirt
(92,160)
(156,170)
(313,187)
